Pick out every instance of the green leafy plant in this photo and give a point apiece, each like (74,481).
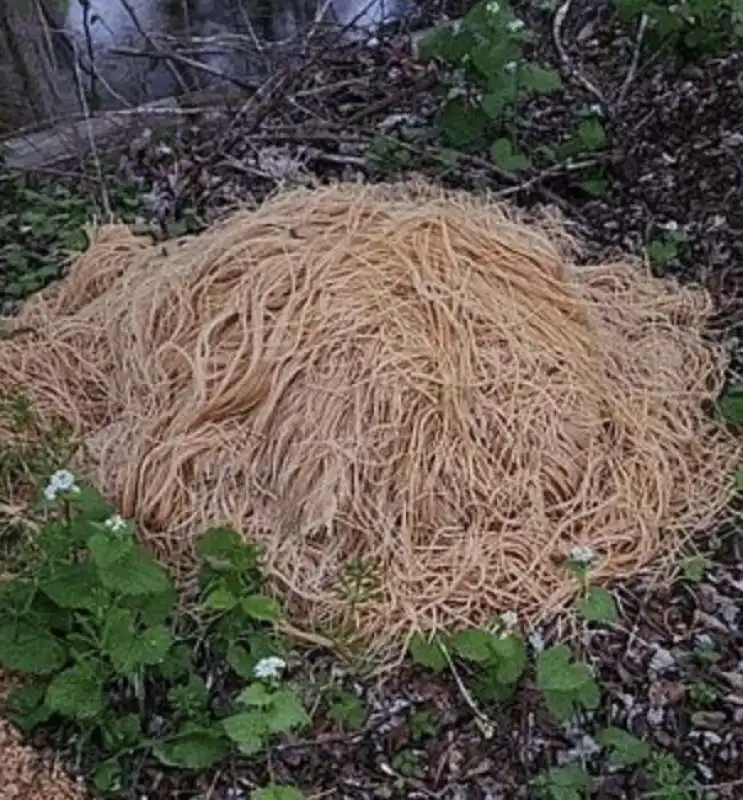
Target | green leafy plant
(488,77)
(567,686)
(730,404)
(359,582)
(93,625)
(264,711)
(703,693)
(669,778)
(563,783)
(625,750)
(695,568)
(275,792)
(428,652)
(421,725)
(497,659)
(347,710)
(688,30)
(41,223)
(594,603)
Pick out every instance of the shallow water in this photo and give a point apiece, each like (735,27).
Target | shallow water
(106,25)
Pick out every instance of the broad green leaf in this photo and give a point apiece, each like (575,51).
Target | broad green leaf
(255,695)
(118,640)
(462,126)
(501,95)
(348,711)
(445,45)
(248,730)
(107,775)
(598,605)
(178,663)
(596,187)
(694,568)
(588,695)
(73,586)
(25,648)
(662,252)
(538,79)
(490,57)
(221,548)
(240,660)
(511,658)
(559,704)
(26,707)
(122,730)
(154,609)
(625,750)
(555,672)
(91,504)
(503,154)
(277,793)
(76,692)
(261,607)
(195,748)
(286,712)
(108,549)
(731,404)
(427,654)
(474,644)
(591,133)
(191,698)
(570,777)
(152,645)
(220,599)
(135,574)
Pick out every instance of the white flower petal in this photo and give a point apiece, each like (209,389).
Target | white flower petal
(63,480)
(270,667)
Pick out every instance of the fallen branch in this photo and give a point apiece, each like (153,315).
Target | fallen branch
(569,69)
(632,71)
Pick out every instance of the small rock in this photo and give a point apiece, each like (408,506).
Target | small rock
(662,660)
(655,717)
(711,720)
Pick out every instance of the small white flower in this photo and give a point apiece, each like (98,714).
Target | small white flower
(269,668)
(61,481)
(511,66)
(516,25)
(492,8)
(582,555)
(116,523)
(509,619)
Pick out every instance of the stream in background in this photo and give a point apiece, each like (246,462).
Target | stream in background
(100,27)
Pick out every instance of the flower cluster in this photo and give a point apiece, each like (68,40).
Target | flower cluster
(583,556)
(269,668)
(61,482)
(116,523)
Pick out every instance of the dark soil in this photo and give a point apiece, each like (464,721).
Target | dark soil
(672,668)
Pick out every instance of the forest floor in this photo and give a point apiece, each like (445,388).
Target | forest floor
(671,187)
